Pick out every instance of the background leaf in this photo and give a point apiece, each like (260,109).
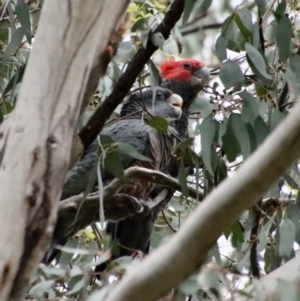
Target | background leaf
(283,36)
(231,74)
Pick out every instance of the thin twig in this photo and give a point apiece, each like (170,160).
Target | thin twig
(256,209)
(201,28)
(166,220)
(254,265)
(261,34)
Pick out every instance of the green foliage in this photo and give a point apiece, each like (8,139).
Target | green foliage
(159,124)
(255,62)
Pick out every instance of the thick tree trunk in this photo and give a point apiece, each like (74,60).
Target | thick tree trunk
(35,140)
(185,252)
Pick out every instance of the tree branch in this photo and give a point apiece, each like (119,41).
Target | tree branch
(256,214)
(132,205)
(218,212)
(93,127)
(201,28)
(261,33)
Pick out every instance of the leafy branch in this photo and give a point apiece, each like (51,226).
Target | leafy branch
(89,133)
(113,200)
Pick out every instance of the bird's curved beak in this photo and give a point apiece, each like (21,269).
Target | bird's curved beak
(176,102)
(199,78)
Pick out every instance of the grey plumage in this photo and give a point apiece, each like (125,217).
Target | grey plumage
(153,144)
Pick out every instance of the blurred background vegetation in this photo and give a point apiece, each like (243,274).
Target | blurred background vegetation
(252,49)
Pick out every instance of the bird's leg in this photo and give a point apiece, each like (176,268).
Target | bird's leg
(137,254)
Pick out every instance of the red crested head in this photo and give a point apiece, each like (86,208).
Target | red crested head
(182,70)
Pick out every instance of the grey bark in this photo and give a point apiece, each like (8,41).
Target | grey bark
(35,141)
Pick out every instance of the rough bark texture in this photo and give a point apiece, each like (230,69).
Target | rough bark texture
(35,141)
(185,252)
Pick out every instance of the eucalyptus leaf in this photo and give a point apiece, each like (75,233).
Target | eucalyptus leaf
(184,144)
(292,213)
(283,37)
(264,234)
(188,8)
(40,288)
(292,81)
(15,79)
(243,262)
(16,41)
(231,74)
(216,253)
(66,257)
(159,124)
(174,203)
(4,35)
(261,130)
(100,295)
(229,143)
(227,31)
(209,279)
(156,239)
(261,5)
(76,271)
(104,139)
(241,134)
(22,12)
(52,271)
(205,5)
(280,10)
(294,64)
(189,286)
(287,234)
(127,149)
(154,74)
(243,19)
(124,48)
(113,163)
(116,72)
(221,170)
(6,107)
(250,107)
(276,118)
(220,50)
(258,64)
(76,284)
(201,105)
(255,36)
(182,179)
(208,129)
(157,39)
(237,237)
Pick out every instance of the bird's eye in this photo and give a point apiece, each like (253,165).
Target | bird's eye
(187,65)
(159,93)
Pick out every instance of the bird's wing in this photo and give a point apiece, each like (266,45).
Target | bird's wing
(78,178)
(133,132)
